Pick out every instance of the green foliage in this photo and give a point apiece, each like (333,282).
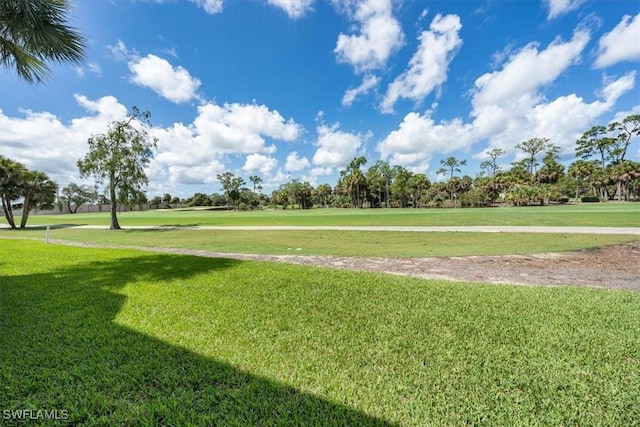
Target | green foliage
(451,165)
(33,32)
(34,187)
(119,157)
(232,186)
(157,339)
(74,195)
(532,147)
(38,191)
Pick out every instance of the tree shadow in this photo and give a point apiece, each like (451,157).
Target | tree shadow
(62,349)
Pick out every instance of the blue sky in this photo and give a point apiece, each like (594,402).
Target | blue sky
(295,89)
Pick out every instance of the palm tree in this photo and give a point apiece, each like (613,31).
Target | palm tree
(38,191)
(33,32)
(451,165)
(256,180)
(11,179)
(581,170)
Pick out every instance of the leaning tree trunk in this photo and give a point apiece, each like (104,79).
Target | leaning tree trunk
(8,211)
(26,207)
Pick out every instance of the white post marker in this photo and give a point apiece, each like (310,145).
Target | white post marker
(46,236)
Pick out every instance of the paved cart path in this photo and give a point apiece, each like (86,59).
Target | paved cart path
(414,229)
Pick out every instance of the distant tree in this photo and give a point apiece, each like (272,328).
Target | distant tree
(176,201)
(354,181)
(533,147)
(33,32)
(400,186)
(74,196)
(256,180)
(581,170)
(492,164)
(451,165)
(39,191)
(623,173)
(199,199)
(626,129)
(552,170)
(166,200)
(280,197)
(418,184)
(232,186)
(156,202)
(595,141)
(119,157)
(323,191)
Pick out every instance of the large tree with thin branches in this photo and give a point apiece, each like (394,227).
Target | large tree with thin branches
(120,157)
(34,32)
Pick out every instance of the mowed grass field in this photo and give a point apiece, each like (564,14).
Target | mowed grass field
(339,243)
(349,243)
(598,214)
(122,337)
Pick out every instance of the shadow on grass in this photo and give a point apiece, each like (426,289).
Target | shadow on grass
(61,349)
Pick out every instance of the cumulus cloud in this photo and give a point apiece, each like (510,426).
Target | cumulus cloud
(429,64)
(620,44)
(368,83)
(336,148)
(293,8)
(561,7)
(172,83)
(527,70)
(260,163)
(295,163)
(509,106)
(192,153)
(380,35)
(23,138)
(418,138)
(119,51)
(220,130)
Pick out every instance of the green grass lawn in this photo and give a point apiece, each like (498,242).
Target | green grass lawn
(121,337)
(343,243)
(598,214)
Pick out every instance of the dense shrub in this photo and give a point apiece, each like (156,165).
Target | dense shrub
(589,199)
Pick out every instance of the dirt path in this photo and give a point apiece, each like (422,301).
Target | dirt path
(613,267)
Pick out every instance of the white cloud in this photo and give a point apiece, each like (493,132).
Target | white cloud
(429,64)
(210,6)
(560,7)
(220,130)
(527,70)
(92,67)
(380,36)
(620,44)
(419,137)
(260,163)
(295,163)
(23,138)
(368,83)
(336,148)
(119,51)
(172,83)
(293,8)
(509,107)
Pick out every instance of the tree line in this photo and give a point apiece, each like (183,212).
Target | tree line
(600,172)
